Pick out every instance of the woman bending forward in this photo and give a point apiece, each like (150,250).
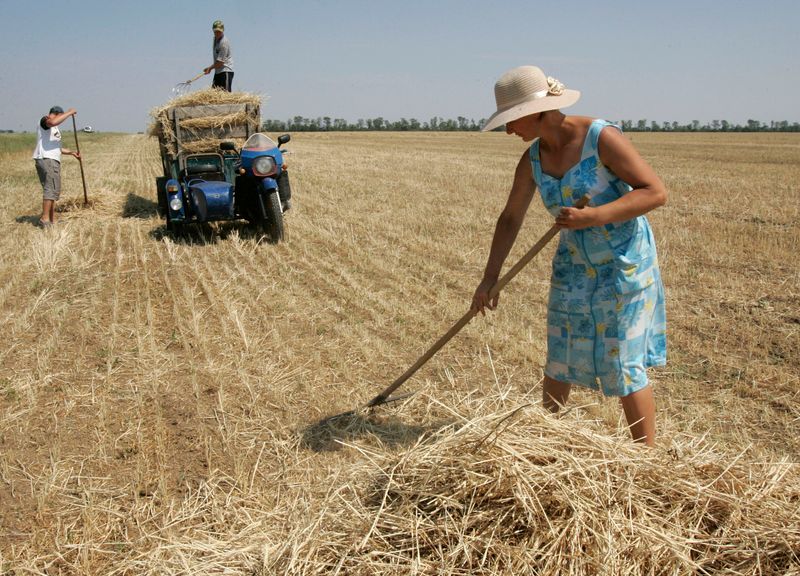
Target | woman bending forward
(605,321)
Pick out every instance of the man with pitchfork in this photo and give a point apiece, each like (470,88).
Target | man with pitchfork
(223,61)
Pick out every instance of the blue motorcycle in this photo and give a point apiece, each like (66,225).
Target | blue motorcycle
(251,184)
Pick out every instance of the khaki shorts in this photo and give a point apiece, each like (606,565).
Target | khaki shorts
(49,171)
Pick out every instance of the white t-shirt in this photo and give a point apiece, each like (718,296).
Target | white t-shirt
(48,141)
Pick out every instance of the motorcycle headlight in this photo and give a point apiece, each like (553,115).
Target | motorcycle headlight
(175,204)
(264,166)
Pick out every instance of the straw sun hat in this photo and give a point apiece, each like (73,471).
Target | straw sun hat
(526,90)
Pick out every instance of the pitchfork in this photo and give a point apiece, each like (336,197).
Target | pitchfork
(183,87)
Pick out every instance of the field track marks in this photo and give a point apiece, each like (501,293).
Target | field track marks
(127,181)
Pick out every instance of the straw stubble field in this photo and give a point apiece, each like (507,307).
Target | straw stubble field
(162,398)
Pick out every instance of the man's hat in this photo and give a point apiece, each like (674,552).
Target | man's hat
(56,110)
(218,25)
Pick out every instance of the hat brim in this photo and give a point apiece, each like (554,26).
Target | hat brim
(567,98)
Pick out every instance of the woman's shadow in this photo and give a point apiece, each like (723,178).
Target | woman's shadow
(331,433)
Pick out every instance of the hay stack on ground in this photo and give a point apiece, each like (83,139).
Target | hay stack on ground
(212,125)
(523,492)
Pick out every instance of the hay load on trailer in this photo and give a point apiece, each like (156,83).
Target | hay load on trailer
(201,121)
(216,165)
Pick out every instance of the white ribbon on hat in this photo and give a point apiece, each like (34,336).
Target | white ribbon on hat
(554,88)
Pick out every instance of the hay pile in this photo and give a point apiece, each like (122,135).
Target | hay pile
(526,493)
(204,134)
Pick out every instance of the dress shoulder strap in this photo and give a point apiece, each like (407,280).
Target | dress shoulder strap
(593,137)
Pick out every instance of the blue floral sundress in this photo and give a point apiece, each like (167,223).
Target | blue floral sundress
(606,321)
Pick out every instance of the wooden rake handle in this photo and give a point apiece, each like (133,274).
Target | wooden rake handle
(464,320)
(80,160)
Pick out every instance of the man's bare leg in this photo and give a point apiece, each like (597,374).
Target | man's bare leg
(48,210)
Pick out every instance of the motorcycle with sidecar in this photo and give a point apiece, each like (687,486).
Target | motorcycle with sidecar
(228,184)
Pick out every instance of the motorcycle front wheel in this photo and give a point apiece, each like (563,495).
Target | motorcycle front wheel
(172,227)
(271,215)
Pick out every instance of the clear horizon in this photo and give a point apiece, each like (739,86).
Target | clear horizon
(355,59)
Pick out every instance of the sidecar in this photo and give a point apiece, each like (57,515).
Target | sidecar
(223,183)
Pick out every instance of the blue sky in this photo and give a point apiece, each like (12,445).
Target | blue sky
(680,60)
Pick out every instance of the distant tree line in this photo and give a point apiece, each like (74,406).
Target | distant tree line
(713,126)
(326,123)
(462,124)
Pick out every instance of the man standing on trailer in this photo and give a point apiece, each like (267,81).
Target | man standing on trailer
(47,155)
(223,61)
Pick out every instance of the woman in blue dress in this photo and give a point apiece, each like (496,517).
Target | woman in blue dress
(605,321)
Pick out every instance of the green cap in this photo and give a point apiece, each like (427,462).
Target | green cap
(218,25)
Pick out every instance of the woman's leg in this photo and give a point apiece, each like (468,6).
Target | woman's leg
(554,394)
(640,412)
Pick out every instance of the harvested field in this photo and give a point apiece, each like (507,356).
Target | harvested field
(162,397)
